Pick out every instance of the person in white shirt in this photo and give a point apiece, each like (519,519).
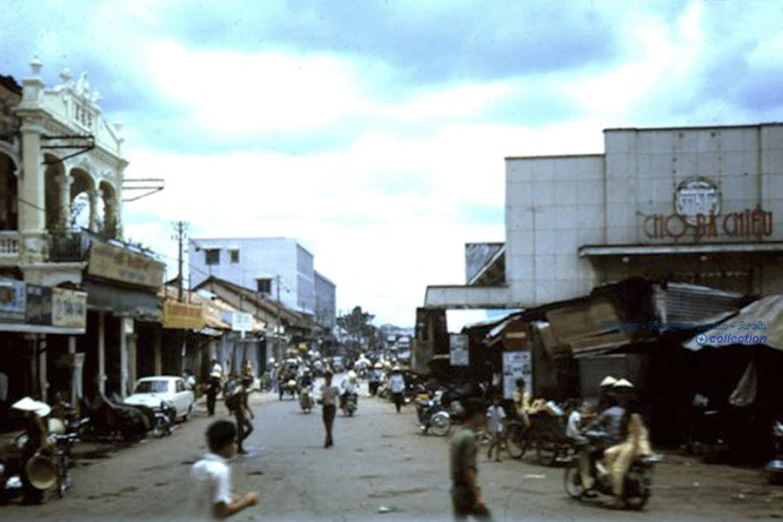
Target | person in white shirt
(496,416)
(397,387)
(329,398)
(575,423)
(211,477)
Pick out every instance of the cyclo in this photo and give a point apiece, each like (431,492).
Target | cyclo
(546,434)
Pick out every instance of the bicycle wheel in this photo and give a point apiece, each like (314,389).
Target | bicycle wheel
(440,424)
(517,440)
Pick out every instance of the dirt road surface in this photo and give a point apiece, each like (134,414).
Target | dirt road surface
(380,468)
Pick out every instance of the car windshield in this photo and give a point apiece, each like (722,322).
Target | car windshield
(152,387)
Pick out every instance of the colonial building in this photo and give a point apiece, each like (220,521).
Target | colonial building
(56,147)
(698,205)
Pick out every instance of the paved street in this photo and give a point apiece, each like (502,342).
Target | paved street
(379,463)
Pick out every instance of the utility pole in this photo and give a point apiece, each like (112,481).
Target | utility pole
(181,231)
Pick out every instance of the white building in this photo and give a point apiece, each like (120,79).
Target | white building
(276,267)
(701,205)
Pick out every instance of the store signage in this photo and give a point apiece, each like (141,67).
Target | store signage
(183,316)
(115,263)
(516,365)
(696,197)
(749,223)
(39,305)
(239,321)
(69,308)
(13,300)
(458,350)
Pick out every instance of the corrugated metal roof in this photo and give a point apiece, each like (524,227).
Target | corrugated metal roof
(767,312)
(685,303)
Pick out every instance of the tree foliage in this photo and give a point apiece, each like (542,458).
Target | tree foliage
(361,332)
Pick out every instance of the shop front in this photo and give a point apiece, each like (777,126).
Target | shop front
(122,288)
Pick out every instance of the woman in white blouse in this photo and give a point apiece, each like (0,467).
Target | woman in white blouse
(329,396)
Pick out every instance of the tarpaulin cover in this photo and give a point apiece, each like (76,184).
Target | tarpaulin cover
(761,320)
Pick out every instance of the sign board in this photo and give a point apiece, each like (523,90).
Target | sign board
(39,305)
(183,316)
(516,365)
(695,197)
(13,300)
(458,350)
(117,264)
(69,308)
(241,322)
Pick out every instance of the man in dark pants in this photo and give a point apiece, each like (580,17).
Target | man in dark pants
(242,413)
(465,494)
(330,395)
(213,388)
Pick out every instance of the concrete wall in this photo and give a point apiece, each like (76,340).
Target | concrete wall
(553,205)
(326,301)
(259,258)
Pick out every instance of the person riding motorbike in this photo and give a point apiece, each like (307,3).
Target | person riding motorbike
(305,381)
(376,376)
(350,385)
(605,431)
(37,443)
(618,458)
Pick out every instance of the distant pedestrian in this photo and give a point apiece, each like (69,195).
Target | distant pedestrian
(237,402)
(465,494)
(213,389)
(496,417)
(211,477)
(397,387)
(329,397)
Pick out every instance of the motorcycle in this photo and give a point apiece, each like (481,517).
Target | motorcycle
(636,488)
(774,467)
(305,399)
(109,419)
(432,416)
(351,404)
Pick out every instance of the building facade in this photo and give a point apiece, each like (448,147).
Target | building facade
(325,302)
(79,290)
(700,205)
(279,268)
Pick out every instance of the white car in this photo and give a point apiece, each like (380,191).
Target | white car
(149,391)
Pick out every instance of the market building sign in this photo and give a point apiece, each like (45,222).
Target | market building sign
(697,205)
(183,316)
(117,264)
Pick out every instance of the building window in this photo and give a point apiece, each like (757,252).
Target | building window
(264,286)
(234,256)
(212,256)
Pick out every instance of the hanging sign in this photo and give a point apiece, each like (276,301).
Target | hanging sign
(458,350)
(516,365)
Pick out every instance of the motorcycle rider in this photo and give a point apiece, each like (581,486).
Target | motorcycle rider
(305,383)
(350,385)
(37,442)
(376,376)
(618,458)
(607,427)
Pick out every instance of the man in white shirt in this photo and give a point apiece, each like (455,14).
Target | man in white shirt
(211,476)
(397,387)
(329,397)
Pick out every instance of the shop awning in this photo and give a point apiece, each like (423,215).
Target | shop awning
(638,250)
(122,301)
(761,322)
(40,329)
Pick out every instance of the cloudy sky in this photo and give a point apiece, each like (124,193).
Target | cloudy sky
(375,132)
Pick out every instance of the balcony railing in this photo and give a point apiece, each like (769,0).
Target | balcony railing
(9,244)
(67,246)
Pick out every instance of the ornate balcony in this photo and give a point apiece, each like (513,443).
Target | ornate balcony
(9,247)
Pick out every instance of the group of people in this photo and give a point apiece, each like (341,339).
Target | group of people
(618,427)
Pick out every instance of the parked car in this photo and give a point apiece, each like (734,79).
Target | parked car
(149,391)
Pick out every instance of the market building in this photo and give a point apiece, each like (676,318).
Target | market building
(695,204)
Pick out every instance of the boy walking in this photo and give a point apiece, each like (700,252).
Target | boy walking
(237,402)
(465,494)
(211,476)
(496,417)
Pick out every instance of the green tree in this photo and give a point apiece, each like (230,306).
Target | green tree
(361,332)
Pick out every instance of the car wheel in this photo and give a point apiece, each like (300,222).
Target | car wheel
(190,409)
